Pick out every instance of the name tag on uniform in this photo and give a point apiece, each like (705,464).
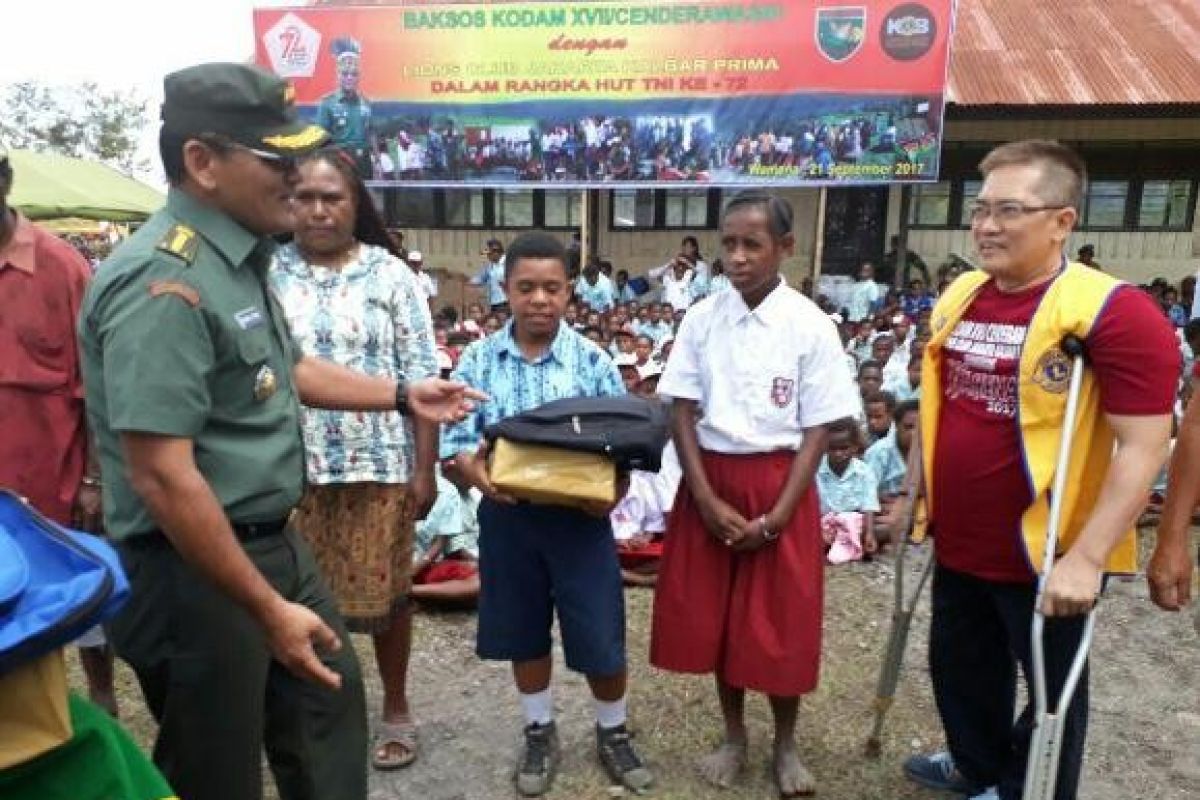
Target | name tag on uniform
(250,318)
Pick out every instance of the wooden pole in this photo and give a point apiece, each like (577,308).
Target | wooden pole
(585,244)
(819,249)
(902,240)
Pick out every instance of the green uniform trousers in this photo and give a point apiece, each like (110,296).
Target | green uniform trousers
(218,696)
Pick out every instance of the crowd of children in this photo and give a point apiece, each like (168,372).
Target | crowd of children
(884,332)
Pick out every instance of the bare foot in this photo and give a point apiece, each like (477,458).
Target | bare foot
(791,776)
(722,766)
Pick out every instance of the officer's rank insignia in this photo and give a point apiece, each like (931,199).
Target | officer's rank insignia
(265,383)
(1053,371)
(187,293)
(181,241)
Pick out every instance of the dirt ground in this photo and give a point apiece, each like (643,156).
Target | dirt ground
(1144,738)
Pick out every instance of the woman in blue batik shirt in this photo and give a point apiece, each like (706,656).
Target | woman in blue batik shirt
(351,300)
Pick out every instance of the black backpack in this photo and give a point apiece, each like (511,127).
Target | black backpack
(631,431)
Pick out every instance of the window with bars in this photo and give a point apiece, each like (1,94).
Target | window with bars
(665,209)
(1104,205)
(930,205)
(1166,205)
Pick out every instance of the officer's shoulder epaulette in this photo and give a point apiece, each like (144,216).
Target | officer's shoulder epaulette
(180,241)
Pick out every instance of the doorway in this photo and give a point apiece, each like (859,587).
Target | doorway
(855,222)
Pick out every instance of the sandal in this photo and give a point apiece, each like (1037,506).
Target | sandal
(391,737)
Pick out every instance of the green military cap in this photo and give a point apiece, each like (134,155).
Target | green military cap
(246,103)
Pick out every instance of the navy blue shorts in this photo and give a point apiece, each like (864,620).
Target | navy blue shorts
(535,559)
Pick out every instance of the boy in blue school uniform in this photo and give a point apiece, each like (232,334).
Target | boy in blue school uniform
(538,559)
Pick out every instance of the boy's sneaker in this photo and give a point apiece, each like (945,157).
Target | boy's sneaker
(615,749)
(539,760)
(990,793)
(937,771)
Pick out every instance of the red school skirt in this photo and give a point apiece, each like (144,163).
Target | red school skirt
(752,618)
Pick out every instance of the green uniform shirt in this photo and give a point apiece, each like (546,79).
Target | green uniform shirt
(180,337)
(347,117)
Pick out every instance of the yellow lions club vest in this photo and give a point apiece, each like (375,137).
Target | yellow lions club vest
(1070,306)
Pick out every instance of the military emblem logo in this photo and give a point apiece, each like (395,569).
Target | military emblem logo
(265,383)
(1053,371)
(781,391)
(840,31)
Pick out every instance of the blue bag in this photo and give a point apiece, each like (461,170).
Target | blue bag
(55,583)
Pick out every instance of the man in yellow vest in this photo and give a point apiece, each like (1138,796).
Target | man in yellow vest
(993,399)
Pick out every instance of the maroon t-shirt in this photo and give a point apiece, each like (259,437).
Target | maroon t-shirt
(42,433)
(980,487)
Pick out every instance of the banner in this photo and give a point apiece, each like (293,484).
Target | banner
(593,94)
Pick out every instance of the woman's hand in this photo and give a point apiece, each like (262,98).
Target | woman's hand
(423,488)
(723,521)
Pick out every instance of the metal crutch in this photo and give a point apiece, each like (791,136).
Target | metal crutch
(902,610)
(1041,773)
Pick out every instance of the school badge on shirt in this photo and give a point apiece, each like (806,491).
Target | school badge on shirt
(781,391)
(265,383)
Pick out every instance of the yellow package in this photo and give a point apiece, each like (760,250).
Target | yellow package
(551,476)
(33,709)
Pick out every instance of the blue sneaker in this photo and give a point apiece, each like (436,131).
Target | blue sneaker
(937,771)
(990,793)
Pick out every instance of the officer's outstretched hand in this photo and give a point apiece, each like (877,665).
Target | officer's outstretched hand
(294,634)
(441,401)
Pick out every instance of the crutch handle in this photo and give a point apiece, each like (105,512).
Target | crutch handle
(1073,346)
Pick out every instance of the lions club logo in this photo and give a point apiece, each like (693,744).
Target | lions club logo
(1053,371)
(781,391)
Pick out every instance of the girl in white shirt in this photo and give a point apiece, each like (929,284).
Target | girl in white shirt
(755,376)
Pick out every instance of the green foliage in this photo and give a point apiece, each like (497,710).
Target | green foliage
(81,121)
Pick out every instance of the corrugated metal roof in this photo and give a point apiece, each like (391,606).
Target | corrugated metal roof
(1076,52)
(1061,52)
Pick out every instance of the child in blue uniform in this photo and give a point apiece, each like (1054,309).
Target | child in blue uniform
(535,560)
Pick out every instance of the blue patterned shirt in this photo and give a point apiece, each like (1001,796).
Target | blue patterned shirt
(572,367)
(369,316)
(853,490)
(491,275)
(599,295)
(888,463)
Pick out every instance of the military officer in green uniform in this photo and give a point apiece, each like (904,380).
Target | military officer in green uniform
(193,387)
(344,112)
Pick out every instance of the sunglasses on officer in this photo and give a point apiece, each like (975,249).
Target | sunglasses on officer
(285,165)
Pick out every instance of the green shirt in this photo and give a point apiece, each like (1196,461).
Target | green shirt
(347,117)
(180,337)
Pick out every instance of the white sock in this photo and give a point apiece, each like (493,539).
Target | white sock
(610,715)
(538,707)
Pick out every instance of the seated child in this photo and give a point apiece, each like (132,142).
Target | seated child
(888,459)
(849,498)
(639,520)
(648,377)
(879,408)
(630,376)
(909,387)
(445,555)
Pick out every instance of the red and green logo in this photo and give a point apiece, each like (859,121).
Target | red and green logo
(840,31)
